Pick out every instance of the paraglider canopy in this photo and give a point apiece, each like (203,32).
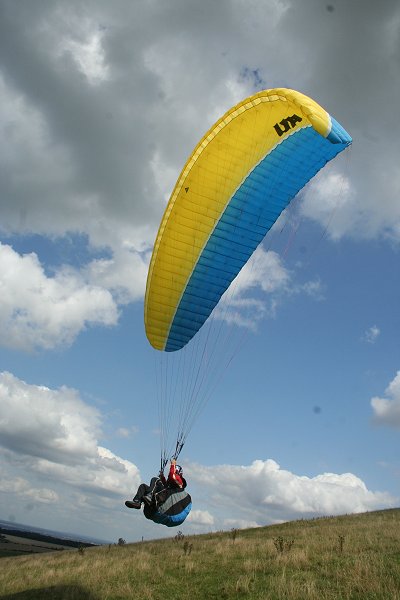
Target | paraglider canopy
(239,178)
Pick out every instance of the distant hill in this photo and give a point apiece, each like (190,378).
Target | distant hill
(14,542)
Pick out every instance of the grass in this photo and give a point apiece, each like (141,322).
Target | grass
(341,558)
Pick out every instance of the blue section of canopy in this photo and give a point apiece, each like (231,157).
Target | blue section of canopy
(338,134)
(247,218)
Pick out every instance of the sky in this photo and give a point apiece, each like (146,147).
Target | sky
(101,105)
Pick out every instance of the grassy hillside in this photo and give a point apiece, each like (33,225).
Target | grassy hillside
(349,557)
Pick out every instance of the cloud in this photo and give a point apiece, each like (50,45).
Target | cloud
(50,424)
(387,410)
(126,432)
(265,270)
(24,489)
(201,517)
(239,524)
(78,151)
(330,199)
(98,119)
(55,434)
(114,275)
(371,335)
(241,304)
(263,493)
(88,55)
(37,311)
(352,100)
(259,288)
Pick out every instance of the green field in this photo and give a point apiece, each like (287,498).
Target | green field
(349,557)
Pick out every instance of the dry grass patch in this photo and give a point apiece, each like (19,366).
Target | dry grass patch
(347,558)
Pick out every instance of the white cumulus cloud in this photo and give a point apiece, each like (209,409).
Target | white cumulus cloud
(37,311)
(54,434)
(263,493)
(201,517)
(387,409)
(49,424)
